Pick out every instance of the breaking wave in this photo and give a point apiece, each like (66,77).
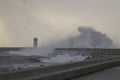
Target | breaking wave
(88,38)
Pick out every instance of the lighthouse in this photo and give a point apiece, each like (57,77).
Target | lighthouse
(35,42)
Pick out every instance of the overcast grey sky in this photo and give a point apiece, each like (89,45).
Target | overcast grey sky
(54,20)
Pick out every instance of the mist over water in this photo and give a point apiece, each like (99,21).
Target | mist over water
(87,38)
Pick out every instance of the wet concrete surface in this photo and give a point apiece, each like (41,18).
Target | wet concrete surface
(108,74)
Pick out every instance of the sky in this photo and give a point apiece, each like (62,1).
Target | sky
(55,20)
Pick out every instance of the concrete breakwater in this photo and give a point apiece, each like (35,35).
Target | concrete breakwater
(63,71)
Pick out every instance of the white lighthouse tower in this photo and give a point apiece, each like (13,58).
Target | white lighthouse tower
(35,42)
